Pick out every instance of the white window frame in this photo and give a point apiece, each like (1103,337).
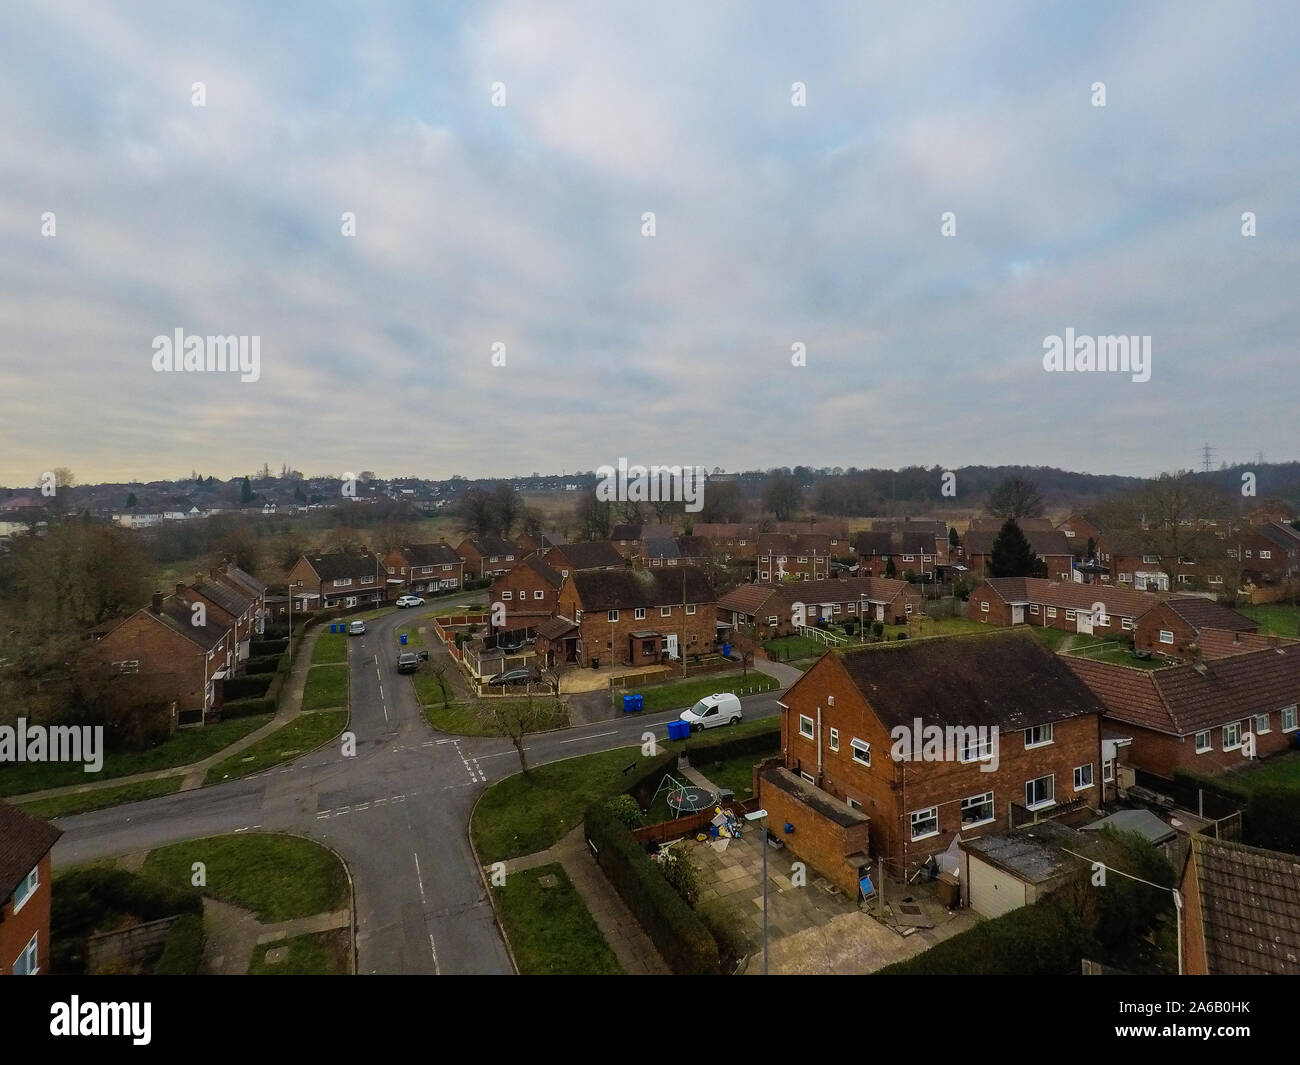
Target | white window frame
(507,595)
(638,614)
(1266,554)
(835,739)
(852,803)
(611,615)
(539,593)
(665,611)
(1033,608)
(1051,611)
(808,777)
(26,888)
(980,751)
(1166,636)
(1289,713)
(973,801)
(1069,615)
(922,817)
(1265,727)
(1077,770)
(1236,743)
(1209,741)
(807,727)
(1126,624)
(31,952)
(861,747)
(690,608)
(1038,730)
(984,606)
(1045,802)
(1108,771)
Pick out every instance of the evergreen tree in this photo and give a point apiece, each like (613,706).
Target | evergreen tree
(1012,556)
(246,492)
(891,571)
(131,501)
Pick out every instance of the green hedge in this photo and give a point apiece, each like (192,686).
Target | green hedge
(183,949)
(265,664)
(720,748)
(676,931)
(1272,818)
(1223,785)
(643,781)
(262,648)
(247,687)
(268,702)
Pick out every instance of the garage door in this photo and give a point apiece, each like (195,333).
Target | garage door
(993,892)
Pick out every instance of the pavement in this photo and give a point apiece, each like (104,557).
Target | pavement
(397,813)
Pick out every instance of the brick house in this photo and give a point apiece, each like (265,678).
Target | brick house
(1269,553)
(1007,601)
(1198,716)
(634,617)
(25,892)
(338,579)
(739,540)
(803,556)
(841,720)
(919,550)
(246,585)
(164,657)
(588,554)
(770,607)
(487,556)
(630,538)
(1241,911)
(1174,625)
(529,593)
(235,609)
(418,568)
(1049,545)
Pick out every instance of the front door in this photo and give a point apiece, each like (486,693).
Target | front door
(1017,615)
(1085,621)
(670,644)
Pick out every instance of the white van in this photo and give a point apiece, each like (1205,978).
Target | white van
(720,709)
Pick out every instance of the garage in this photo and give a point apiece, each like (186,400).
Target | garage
(993,892)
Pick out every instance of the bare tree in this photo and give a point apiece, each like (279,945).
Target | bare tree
(1014,498)
(514,719)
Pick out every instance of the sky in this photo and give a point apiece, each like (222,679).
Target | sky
(128,212)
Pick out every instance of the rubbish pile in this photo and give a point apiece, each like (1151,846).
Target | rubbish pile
(724,827)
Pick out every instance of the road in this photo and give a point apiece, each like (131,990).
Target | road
(397,812)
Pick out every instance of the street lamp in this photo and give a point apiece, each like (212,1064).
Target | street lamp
(761,815)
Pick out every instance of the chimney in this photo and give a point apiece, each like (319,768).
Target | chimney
(180,589)
(156,605)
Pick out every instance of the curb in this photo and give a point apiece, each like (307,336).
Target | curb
(487,886)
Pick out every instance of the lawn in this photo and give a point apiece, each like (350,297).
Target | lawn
(304,733)
(736,772)
(681,694)
(427,689)
(1276,619)
(529,812)
(465,719)
(788,648)
(1280,769)
(413,638)
(277,877)
(85,801)
(327,687)
(1116,655)
(314,954)
(330,647)
(550,929)
(186,746)
(1048,637)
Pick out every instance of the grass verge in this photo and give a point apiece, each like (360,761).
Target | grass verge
(85,801)
(302,734)
(327,687)
(550,929)
(314,954)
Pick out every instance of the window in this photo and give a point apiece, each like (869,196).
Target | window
(1126,624)
(25,963)
(861,751)
(1166,636)
(803,558)
(1051,611)
(391,571)
(342,582)
(1261,724)
(977,810)
(763,576)
(507,595)
(984,606)
(741,542)
(539,594)
(26,888)
(805,726)
(974,748)
(611,615)
(907,609)
(772,621)
(1203,742)
(1150,560)
(1232,736)
(1039,793)
(909,558)
(1126,578)
(1266,554)
(835,739)
(130,665)
(1038,736)
(446,569)
(510,558)
(1069,615)
(853,804)
(423,569)
(665,611)
(638,614)
(1288,719)
(1108,770)
(1033,608)
(690,608)
(1083,777)
(925,823)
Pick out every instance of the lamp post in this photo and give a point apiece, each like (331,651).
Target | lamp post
(761,816)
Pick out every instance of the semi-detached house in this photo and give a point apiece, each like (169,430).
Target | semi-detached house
(338,579)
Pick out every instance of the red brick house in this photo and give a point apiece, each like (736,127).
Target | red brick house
(803,556)
(588,554)
(419,568)
(487,556)
(1175,625)
(847,726)
(1007,601)
(630,538)
(1199,716)
(246,585)
(338,579)
(529,593)
(739,540)
(1049,545)
(25,879)
(166,658)
(770,608)
(632,617)
(236,609)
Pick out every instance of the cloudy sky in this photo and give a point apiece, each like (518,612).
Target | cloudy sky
(775,225)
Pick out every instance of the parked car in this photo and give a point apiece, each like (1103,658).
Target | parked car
(357,628)
(404,601)
(722,708)
(408,662)
(512,676)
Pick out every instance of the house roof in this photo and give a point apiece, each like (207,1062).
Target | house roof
(177,616)
(338,564)
(224,596)
(1250,908)
(1207,614)
(1005,678)
(1043,542)
(694,547)
(874,543)
(1118,601)
(763,600)
(1143,822)
(930,528)
(431,555)
(1184,700)
(1219,643)
(24,841)
(246,580)
(547,572)
(1033,854)
(590,554)
(614,589)
(490,545)
(660,548)
(555,628)
(994,525)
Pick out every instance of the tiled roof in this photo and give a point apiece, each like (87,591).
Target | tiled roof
(1005,678)
(1047,542)
(1207,614)
(625,589)
(24,841)
(1220,643)
(245,580)
(764,600)
(994,525)
(874,543)
(1120,602)
(660,548)
(338,564)
(1250,907)
(1184,700)
(177,616)
(554,628)
(548,573)
(431,555)
(224,596)
(591,554)
(487,546)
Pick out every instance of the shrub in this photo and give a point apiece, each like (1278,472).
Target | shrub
(249,687)
(265,664)
(877,629)
(729,931)
(263,648)
(681,872)
(641,782)
(626,809)
(1272,818)
(902,636)
(720,748)
(672,926)
(183,949)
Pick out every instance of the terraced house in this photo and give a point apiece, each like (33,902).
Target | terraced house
(1175,626)
(487,556)
(588,554)
(338,579)
(1008,601)
(842,780)
(529,593)
(802,556)
(771,608)
(1051,547)
(418,568)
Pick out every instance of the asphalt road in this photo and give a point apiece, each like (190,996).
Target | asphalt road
(397,812)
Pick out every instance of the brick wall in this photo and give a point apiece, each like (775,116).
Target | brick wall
(816,840)
(1161,754)
(17,929)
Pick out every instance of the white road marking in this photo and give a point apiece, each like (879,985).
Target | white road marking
(420,880)
(434,951)
(362,806)
(594,736)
